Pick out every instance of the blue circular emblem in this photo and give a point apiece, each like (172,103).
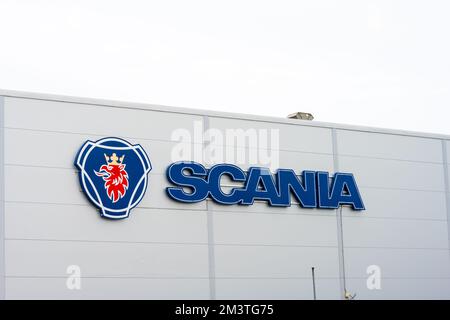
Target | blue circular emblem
(114,175)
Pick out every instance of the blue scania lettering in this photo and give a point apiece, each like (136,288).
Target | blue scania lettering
(190,175)
(289,183)
(259,186)
(194,183)
(215,190)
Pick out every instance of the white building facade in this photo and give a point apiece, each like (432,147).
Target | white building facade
(55,245)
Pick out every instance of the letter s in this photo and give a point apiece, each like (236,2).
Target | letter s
(195,181)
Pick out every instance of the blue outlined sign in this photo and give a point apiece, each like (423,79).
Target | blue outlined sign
(312,189)
(114,175)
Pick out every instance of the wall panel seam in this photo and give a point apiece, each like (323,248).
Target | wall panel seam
(210,230)
(447,187)
(340,232)
(2,200)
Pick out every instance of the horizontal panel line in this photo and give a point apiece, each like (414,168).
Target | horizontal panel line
(94,135)
(111,277)
(170,243)
(388,132)
(218,278)
(238,148)
(363,216)
(224,212)
(402,189)
(327,246)
(141,207)
(223,244)
(110,241)
(72,168)
(49,203)
(110,104)
(402,278)
(397,248)
(315,213)
(172,278)
(390,159)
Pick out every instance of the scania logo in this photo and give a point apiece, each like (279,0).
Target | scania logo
(114,175)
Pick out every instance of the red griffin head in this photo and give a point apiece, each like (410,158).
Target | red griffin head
(115,177)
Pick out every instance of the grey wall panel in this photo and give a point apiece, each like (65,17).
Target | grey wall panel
(292,137)
(402,289)
(305,161)
(60,149)
(273,159)
(266,229)
(448,171)
(389,146)
(448,148)
(394,233)
(25,184)
(269,289)
(263,208)
(91,119)
(394,174)
(398,263)
(26,258)
(272,262)
(83,223)
(407,204)
(108,289)
(156,196)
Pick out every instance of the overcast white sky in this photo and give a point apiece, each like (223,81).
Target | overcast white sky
(376,63)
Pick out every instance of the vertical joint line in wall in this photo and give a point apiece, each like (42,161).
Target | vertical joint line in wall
(447,186)
(2,201)
(210,226)
(340,231)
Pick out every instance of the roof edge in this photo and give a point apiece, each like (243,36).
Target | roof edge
(218,114)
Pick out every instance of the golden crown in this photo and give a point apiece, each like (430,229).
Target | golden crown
(114,160)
